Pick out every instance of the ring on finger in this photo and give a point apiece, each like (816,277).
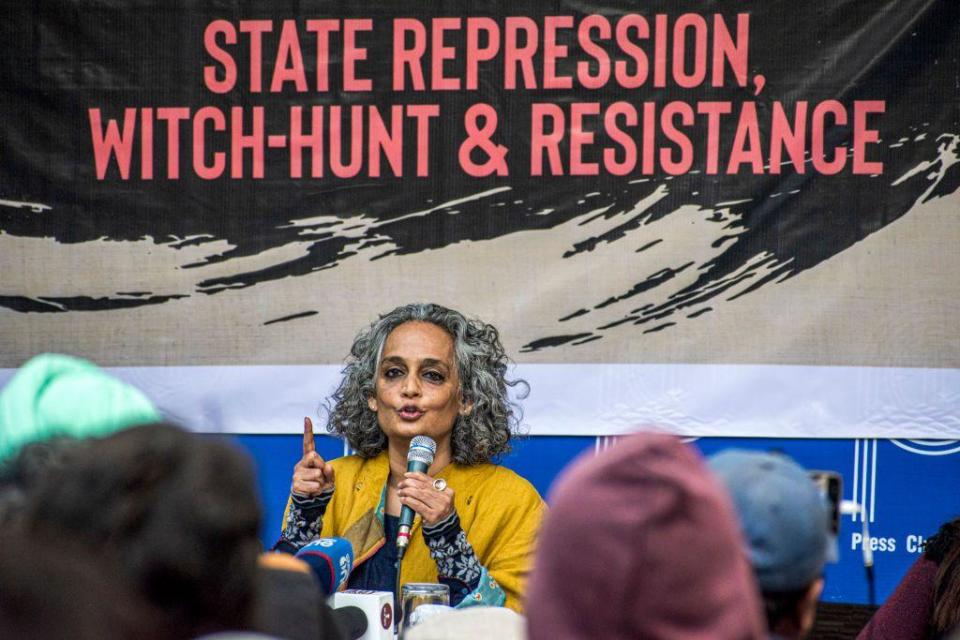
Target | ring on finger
(440,484)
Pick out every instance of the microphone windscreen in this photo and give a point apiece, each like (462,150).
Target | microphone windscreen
(331,560)
(351,620)
(422,449)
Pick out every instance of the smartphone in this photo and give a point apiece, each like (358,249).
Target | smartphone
(831,486)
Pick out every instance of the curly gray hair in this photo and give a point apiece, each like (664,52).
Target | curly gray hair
(482,367)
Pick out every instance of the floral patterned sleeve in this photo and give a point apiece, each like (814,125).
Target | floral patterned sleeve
(304,521)
(457,565)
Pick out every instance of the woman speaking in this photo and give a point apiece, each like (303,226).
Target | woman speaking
(422,370)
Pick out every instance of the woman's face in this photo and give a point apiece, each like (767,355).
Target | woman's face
(417,385)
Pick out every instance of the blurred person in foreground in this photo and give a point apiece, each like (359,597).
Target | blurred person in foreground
(642,542)
(56,406)
(51,402)
(422,370)
(926,603)
(291,603)
(50,589)
(785,523)
(174,515)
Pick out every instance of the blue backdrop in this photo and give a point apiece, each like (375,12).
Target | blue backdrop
(908,487)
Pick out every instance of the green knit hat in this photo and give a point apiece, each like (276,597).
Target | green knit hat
(55,395)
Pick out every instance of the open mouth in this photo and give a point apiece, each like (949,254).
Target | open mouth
(410,413)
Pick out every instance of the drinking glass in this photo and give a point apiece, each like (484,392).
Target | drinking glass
(414,594)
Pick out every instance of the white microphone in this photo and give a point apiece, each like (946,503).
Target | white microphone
(377,607)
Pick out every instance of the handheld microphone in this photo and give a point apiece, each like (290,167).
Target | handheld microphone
(330,560)
(419,458)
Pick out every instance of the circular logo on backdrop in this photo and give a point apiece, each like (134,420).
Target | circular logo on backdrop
(929,447)
(602,443)
(386,616)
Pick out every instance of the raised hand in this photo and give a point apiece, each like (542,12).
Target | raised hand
(432,500)
(311,475)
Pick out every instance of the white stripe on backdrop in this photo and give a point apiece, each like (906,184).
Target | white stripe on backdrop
(602,399)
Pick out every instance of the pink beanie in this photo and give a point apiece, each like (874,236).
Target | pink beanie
(642,542)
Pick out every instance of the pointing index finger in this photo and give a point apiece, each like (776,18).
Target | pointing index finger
(308,445)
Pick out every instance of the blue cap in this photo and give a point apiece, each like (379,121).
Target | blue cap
(783,515)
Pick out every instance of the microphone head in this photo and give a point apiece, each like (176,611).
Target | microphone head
(330,560)
(422,449)
(351,620)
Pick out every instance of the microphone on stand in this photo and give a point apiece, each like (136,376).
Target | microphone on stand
(419,458)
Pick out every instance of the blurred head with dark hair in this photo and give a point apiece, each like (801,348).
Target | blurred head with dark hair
(943,548)
(54,589)
(22,474)
(175,513)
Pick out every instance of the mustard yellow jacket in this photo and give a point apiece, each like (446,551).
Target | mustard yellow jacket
(499,511)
